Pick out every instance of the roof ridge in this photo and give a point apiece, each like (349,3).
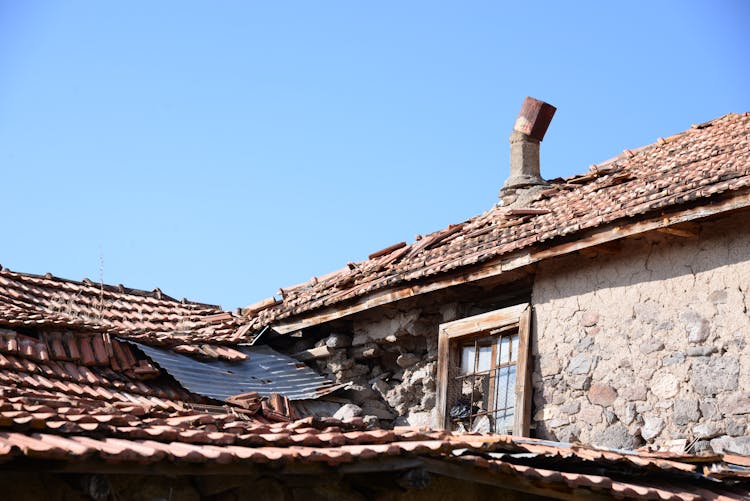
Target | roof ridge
(610,165)
(117,289)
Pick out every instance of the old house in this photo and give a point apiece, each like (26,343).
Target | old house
(111,393)
(608,308)
(585,338)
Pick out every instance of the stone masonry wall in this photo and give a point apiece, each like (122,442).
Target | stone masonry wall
(390,356)
(391,359)
(648,345)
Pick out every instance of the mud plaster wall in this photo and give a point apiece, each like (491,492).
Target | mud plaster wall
(649,345)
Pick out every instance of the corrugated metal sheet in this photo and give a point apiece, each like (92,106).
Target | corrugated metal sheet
(266,371)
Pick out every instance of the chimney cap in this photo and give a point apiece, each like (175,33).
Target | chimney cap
(534,118)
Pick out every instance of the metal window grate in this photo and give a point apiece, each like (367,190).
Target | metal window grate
(484,384)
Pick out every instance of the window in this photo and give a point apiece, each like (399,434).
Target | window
(483,372)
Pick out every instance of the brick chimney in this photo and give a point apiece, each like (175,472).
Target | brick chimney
(525,179)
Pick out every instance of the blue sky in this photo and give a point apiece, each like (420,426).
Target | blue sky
(221,150)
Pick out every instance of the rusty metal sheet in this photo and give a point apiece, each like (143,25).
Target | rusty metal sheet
(265,371)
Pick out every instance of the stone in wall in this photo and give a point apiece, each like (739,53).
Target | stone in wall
(713,375)
(387,328)
(651,343)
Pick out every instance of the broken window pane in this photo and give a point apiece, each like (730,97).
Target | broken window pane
(482,425)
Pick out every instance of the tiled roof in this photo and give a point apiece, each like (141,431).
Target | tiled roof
(697,166)
(92,401)
(109,335)
(79,382)
(149,317)
(144,436)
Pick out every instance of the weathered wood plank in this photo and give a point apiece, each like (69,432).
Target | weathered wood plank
(684,230)
(441,396)
(484,322)
(522,418)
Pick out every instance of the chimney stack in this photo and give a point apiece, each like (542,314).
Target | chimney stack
(525,179)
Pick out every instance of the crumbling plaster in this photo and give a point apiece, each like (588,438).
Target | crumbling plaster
(391,358)
(647,345)
(389,354)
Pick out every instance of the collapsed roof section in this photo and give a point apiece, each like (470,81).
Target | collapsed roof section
(84,402)
(59,335)
(265,372)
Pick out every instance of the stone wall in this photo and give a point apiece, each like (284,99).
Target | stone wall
(390,354)
(647,345)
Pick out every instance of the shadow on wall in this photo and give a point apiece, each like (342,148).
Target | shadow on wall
(654,257)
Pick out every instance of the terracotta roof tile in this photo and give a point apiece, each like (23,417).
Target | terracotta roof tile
(152,318)
(156,444)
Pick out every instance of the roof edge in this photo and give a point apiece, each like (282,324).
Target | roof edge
(116,289)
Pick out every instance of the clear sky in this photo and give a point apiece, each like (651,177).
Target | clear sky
(221,150)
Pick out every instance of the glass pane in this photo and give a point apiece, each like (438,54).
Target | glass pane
(467,359)
(511,393)
(504,354)
(501,388)
(485,358)
(515,348)
(505,382)
(505,397)
(504,422)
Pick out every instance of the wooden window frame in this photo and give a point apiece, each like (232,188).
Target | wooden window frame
(451,336)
